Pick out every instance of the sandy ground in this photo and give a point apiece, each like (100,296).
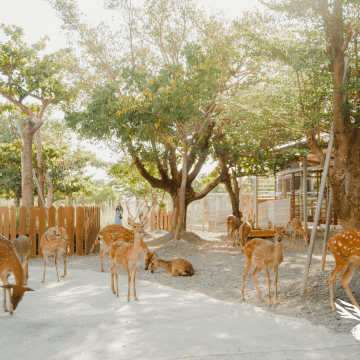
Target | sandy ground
(218,275)
(79,318)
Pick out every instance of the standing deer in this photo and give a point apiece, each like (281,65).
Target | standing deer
(245,230)
(175,267)
(264,254)
(9,262)
(233,223)
(345,247)
(23,249)
(128,256)
(295,225)
(55,243)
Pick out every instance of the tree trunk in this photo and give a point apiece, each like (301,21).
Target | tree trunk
(27,188)
(182,191)
(17,197)
(69,200)
(40,167)
(49,199)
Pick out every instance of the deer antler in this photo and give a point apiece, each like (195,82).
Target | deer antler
(127,206)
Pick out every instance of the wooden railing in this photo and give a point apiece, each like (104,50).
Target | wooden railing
(82,225)
(163,223)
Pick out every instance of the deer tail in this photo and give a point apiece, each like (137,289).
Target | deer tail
(95,243)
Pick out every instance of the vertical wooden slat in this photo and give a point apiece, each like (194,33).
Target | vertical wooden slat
(22,221)
(97,248)
(79,230)
(61,217)
(87,210)
(32,230)
(13,224)
(169,220)
(1,220)
(6,232)
(52,216)
(70,228)
(152,220)
(42,227)
(92,229)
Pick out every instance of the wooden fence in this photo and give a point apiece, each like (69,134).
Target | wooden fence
(82,225)
(164,222)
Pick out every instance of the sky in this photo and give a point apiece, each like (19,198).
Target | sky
(38,19)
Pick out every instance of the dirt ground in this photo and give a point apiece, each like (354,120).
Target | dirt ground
(219,270)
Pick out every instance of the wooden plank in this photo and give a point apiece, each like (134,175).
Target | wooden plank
(97,247)
(70,228)
(6,232)
(152,220)
(13,224)
(42,227)
(261,233)
(169,220)
(87,212)
(79,230)
(52,217)
(22,221)
(61,217)
(32,230)
(1,220)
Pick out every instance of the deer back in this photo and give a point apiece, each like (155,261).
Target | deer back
(53,239)
(9,261)
(23,247)
(345,246)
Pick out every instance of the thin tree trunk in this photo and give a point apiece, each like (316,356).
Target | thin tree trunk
(40,167)
(182,191)
(27,188)
(69,200)
(49,199)
(17,197)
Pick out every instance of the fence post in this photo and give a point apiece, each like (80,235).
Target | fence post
(13,224)
(52,217)
(79,230)
(70,228)
(32,230)
(61,217)
(152,220)
(22,221)
(42,227)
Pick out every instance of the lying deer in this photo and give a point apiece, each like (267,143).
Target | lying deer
(128,256)
(264,254)
(345,247)
(245,230)
(233,223)
(175,267)
(9,262)
(295,225)
(112,233)
(55,243)
(23,249)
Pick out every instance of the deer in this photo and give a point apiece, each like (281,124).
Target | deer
(295,225)
(54,242)
(175,267)
(233,223)
(128,256)
(23,249)
(345,247)
(9,262)
(264,254)
(245,230)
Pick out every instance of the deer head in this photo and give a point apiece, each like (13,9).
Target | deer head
(17,293)
(279,232)
(154,262)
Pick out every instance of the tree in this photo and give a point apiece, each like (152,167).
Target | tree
(25,73)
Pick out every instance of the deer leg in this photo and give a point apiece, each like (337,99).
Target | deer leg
(269,281)
(245,271)
(102,254)
(112,270)
(129,281)
(117,282)
(65,260)
(276,270)
(254,275)
(134,269)
(228,229)
(56,265)
(26,268)
(4,299)
(45,263)
(345,281)
(339,269)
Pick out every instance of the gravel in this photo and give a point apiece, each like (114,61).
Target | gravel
(218,271)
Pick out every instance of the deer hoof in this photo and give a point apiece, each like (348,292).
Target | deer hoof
(62,276)
(128,300)
(102,270)
(43,281)
(114,292)
(11,313)
(136,299)
(6,310)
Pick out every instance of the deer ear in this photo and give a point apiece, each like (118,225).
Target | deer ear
(28,289)
(8,286)
(56,233)
(271,226)
(130,221)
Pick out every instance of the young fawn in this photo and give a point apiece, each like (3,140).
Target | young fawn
(245,230)
(264,254)
(345,247)
(175,267)
(296,227)
(233,223)
(23,249)
(9,262)
(55,243)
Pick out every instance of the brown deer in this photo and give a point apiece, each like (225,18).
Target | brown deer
(345,247)
(244,231)
(175,267)
(233,223)
(128,256)
(264,254)
(55,243)
(295,225)
(23,249)
(9,262)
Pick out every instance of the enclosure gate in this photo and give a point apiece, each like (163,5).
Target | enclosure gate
(82,225)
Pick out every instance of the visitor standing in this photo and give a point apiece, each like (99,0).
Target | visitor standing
(118,214)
